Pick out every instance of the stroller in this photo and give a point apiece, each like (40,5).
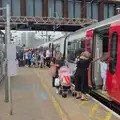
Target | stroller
(65,81)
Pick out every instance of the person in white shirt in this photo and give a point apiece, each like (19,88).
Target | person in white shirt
(47,53)
(26,58)
(103,71)
(41,59)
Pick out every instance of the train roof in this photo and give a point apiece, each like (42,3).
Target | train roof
(100,24)
(81,33)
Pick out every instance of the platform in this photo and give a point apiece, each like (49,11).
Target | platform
(35,99)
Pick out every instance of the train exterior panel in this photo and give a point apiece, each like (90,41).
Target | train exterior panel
(113,72)
(88,47)
(97,42)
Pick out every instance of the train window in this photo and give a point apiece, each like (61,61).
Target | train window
(83,44)
(57,48)
(113,53)
(71,51)
(89,44)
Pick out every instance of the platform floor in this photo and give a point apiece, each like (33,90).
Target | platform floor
(35,99)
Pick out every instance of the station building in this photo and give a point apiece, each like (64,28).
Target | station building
(90,9)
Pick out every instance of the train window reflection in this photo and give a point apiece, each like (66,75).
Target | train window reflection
(74,49)
(113,52)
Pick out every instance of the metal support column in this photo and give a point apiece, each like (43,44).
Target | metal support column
(0,7)
(6,77)
(8,42)
(65,8)
(45,8)
(83,9)
(101,11)
(23,7)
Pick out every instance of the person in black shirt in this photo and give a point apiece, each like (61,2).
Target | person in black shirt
(81,81)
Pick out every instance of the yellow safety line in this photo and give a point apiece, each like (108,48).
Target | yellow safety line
(109,115)
(97,118)
(56,104)
(93,109)
(83,105)
(82,102)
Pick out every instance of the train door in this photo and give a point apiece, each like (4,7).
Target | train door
(100,48)
(88,47)
(113,73)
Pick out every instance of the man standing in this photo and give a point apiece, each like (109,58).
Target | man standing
(48,57)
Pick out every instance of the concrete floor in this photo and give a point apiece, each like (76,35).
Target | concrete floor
(35,99)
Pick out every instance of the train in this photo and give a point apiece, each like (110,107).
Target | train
(102,38)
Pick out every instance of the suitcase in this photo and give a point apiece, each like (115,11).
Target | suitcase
(21,63)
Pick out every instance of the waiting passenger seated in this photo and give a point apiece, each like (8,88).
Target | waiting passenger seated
(103,71)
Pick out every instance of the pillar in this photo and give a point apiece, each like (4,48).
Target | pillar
(83,15)
(45,8)
(101,11)
(0,7)
(23,7)
(65,8)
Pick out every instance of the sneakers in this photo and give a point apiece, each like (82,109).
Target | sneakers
(57,91)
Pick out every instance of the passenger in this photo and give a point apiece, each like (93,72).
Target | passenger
(44,54)
(103,68)
(81,81)
(26,58)
(33,59)
(48,57)
(42,60)
(29,58)
(58,62)
(36,60)
(53,70)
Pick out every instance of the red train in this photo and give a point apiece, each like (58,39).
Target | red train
(105,40)
(102,38)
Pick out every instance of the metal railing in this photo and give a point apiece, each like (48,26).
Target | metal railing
(48,20)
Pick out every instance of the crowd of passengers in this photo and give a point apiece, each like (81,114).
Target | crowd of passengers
(38,58)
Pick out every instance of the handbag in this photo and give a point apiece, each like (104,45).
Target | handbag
(57,82)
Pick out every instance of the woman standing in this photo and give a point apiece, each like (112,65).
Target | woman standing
(81,81)
(55,66)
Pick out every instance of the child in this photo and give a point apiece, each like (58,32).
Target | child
(103,69)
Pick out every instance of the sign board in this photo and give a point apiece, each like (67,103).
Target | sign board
(12,68)
(11,57)
(11,52)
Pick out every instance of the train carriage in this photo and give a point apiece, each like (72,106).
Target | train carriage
(104,41)
(102,38)
(99,39)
